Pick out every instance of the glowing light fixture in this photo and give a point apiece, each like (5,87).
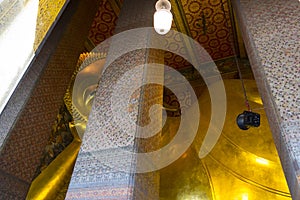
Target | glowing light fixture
(163,17)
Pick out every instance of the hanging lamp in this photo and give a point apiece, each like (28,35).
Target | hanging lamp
(162,17)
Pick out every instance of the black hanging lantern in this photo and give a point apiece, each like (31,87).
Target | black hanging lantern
(248,119)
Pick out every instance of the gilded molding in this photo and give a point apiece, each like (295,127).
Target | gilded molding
(48,12)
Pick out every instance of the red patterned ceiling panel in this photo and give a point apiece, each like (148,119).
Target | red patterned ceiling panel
(210,24)
(104,23)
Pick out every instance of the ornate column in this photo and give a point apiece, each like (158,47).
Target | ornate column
(271,34)
(107,164)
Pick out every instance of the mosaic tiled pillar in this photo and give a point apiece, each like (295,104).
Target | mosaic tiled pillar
(271,32)
(102,171)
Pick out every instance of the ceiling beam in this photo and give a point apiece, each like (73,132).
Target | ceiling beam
(179,18)
(116,6)
(237,36)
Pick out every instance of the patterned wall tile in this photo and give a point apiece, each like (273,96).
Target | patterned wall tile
(8,182)
(22,150)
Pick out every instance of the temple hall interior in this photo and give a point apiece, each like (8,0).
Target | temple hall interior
(150,99)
